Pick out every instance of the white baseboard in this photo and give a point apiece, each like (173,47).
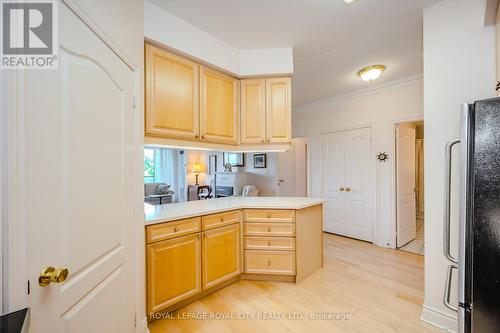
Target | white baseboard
(439,319)
(143,326)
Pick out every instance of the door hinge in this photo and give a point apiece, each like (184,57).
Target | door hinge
(135,320)
(29,287)
(134,103)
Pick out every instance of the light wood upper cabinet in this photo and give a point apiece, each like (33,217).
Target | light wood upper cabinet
(174,271)
(253,111)
(278,110)
(221,255)
(219,100)
(171,95)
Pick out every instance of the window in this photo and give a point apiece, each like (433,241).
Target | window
(149,165)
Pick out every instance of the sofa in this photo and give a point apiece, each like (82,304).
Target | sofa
(158,193)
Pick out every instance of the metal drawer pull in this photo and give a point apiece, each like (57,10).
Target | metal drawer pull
(447,288)
(268,215)
(269,243)
(269,263)
(176,229)
(222,219)
(447,200)
(268,229)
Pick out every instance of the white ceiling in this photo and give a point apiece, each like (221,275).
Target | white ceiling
(331,40)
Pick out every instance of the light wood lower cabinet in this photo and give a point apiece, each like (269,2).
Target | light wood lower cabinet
(221,255)
(270,262)
(173,270)
(279,244)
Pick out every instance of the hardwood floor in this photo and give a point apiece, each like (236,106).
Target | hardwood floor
(379,290)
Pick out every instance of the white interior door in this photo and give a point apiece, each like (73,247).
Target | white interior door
(405,184)
(79,159)
(358,184)
(334,183)
(286,184)
(348,183)
(292,170)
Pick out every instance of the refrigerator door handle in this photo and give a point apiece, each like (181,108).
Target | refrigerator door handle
(447,288)
(447,200)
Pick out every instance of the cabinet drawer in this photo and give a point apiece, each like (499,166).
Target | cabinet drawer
(167,230)
(269,215)
(269,243)
(220,220)
(270,262)
(269,229)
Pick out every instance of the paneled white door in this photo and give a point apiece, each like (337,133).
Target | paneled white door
(79,157)
(406,210)
(348,183)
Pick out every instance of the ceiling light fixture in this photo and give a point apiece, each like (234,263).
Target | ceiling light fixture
(348,1)
(371,73)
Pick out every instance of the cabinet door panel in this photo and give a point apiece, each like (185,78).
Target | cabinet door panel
(218,107)
(221,255)
(278,110)
(173,271)
(171,95)
(253,111)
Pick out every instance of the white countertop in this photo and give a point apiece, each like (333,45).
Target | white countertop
(182,210)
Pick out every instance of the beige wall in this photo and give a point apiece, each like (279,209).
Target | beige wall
(380,109)
(459,67)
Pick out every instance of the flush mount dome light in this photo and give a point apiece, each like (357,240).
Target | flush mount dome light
(371,73)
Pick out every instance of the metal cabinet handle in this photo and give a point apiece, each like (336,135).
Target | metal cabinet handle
(176,229)
(268,229)
(348,189)
(447,288)
(269,243)
(269,263)
(196,136)
(341,189)
(447,200)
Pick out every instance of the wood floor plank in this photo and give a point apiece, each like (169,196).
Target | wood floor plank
(381,290)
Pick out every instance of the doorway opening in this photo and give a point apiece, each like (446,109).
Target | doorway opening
(410,223)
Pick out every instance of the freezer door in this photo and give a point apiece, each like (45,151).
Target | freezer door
(485,218)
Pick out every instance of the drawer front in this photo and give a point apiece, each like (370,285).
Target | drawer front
(167,230)
(269,243)
(269,262)
(220,220)
(269,215)
(269,229)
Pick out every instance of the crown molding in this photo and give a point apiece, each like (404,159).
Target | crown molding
(367,91)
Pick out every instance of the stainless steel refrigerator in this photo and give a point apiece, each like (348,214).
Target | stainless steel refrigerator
(478,262)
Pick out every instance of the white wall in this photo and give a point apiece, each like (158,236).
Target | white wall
(169,30)
(265,180)
(379,109)
(458,68)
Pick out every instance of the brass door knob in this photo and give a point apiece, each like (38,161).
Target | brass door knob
(50,274)
(341,189)
(348,189)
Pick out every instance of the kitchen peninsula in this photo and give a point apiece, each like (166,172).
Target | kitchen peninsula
(198,247)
